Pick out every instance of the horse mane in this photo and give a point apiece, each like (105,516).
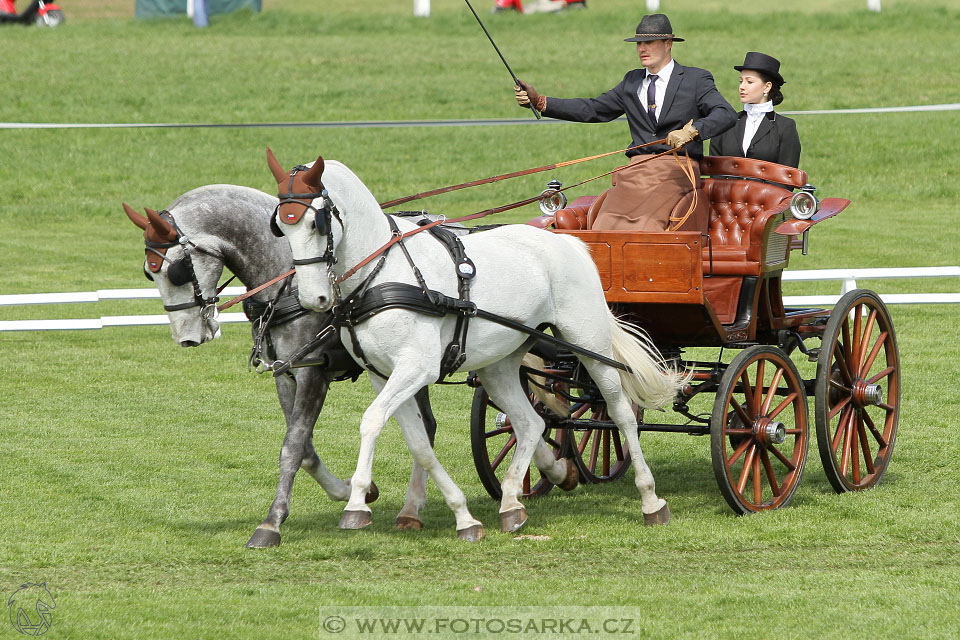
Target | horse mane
(347,189)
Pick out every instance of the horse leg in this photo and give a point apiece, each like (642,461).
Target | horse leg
(390,396)
(502,384)
(409,516)
(412,425)
(468,527)
(655,510)
(301,405)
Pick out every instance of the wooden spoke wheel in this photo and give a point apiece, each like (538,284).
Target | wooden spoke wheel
(493,443)
(857,392)
(758,431)
(600,454)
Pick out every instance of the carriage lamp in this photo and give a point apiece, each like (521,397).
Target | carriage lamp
(552,199)
(804,204)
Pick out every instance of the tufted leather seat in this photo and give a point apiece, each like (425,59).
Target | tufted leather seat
(740,205)
(742,200)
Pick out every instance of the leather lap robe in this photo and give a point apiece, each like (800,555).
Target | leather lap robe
(644,195)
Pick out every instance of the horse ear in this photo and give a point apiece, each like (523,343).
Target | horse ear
(275,167)
(313,175)
(137,219)
(166,232)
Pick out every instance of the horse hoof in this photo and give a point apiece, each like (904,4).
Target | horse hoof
(409,523)
(658,517)
(263,538)
(355,520)
(471,534)
(572,480)
(513,520)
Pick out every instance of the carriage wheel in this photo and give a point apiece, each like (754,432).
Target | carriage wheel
(857,393)
(600,454)
(493,442)
(758,430)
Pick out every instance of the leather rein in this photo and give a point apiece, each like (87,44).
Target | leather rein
(399,237)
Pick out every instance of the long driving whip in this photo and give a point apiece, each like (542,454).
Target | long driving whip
(516,80)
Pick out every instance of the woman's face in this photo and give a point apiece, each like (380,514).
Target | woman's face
(753,90)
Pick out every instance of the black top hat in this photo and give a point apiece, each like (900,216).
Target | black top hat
(656,26)
(768,65)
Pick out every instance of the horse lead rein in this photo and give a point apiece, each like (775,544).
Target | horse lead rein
(399,237)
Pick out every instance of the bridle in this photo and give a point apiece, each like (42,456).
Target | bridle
(322,218)
(181,271)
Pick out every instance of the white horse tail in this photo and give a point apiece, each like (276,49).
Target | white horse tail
(650,383)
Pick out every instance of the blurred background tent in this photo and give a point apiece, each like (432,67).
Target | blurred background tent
(158,8)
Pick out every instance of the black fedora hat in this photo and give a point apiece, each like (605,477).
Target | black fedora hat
(655,26)
(768,65)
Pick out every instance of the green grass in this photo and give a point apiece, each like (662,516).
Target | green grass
(133,471)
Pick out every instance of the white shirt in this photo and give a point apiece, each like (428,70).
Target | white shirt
(755,114)
(663,77)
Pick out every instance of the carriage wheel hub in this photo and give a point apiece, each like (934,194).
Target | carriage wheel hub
(769,431)
(865,394)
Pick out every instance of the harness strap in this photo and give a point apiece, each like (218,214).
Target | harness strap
(456,352)
(256,290)
(486,212)
(507,176)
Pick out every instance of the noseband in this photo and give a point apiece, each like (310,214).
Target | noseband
(181,272)
(321,220)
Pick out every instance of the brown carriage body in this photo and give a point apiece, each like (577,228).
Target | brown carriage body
(716,282)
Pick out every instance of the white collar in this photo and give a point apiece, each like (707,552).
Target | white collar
(664,73)
(755,111)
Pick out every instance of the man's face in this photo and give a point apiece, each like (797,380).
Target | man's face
(655,54)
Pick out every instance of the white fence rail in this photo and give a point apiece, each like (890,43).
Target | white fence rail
(849,278)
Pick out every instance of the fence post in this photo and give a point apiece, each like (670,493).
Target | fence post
(653,5)
(873,5)
(421,8)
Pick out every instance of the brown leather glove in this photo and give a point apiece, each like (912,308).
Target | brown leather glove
(679,137)
(527,95)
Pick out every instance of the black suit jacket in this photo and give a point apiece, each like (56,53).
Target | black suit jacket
(776,140)
(691,95)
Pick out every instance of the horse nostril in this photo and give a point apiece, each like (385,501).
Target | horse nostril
(321,302)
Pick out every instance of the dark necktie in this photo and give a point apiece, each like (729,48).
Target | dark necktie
(652,98)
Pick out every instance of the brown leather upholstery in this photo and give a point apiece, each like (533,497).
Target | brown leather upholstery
(750,168)
(739,211)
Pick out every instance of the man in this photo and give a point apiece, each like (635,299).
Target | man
(663,100)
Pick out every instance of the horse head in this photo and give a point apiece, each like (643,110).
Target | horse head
(305,215)
(181,279)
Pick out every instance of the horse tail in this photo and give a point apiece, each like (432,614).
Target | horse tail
(650,383)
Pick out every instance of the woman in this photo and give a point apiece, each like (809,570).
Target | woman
(760,132)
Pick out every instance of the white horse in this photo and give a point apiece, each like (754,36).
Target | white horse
(522,273)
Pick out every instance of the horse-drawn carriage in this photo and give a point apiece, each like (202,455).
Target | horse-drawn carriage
(406,316)
(719,286)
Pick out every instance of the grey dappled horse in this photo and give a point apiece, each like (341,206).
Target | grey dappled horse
(188,245)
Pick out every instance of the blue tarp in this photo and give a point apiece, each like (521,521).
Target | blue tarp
(160,8)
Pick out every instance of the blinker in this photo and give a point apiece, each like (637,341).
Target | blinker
(179,273)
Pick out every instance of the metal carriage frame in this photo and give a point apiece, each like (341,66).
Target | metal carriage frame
(719,285)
